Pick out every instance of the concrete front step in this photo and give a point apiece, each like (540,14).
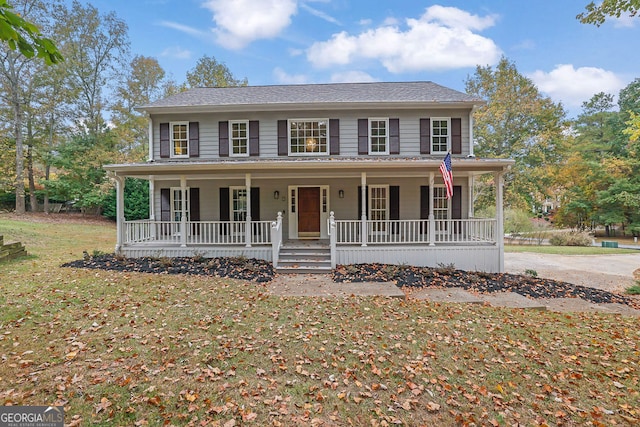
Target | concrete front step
(303,269)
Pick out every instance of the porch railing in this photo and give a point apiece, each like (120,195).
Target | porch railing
(416,231)
(198,232)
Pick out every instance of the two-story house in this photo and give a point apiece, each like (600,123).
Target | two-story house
(351,169)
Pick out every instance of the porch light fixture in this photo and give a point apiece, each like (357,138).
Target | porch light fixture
(276,194)
(341,194)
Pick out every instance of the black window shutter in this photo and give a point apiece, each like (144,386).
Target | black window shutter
(224,204)
(424,206)
(254,138)
(165,148)
(194,204)
(363,136)
(456,136)
(394,136)
(283,140)
(255,203)
(223,139)
(165,204)
(194,209)
(425,136)
(194,139)
(424,202)
(394,206)
(360,201)
(456,202)
(334,136)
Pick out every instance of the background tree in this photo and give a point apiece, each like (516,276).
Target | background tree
(597,14)
(517,122)
(208,72)
(141,85)
(18,72)
(95,47)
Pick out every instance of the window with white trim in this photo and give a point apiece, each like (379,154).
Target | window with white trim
(379,207)
(238,202)
(308,137)
(440,203)
(239,138)
(179,139)
(440,135)
(176,204)
(378,136)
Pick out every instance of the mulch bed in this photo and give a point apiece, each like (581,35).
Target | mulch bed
(261,271)
(251,269)
(419,277)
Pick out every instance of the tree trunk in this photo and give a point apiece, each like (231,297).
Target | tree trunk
(20,202)
(33,200)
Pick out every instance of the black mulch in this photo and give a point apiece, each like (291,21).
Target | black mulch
(251,269)
(528,286)
(261,271)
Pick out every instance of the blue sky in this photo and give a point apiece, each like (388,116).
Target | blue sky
(319,41)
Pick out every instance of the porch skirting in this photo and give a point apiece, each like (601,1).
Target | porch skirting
(470,258)
(138,251)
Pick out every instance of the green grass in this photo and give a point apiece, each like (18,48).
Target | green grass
(569,250)
(124,348)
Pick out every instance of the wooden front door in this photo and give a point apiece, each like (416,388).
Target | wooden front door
(309,211)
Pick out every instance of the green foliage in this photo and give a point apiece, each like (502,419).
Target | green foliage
(208,72)
(531,272)
(633,290)
(25,36)
(136,200)
(597,14)
(570,239)
(517,221)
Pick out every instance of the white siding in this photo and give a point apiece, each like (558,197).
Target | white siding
(409,128)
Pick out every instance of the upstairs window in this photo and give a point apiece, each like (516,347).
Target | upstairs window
(378,136)
(308,137)
(179,139)
(440,135)
(239,131)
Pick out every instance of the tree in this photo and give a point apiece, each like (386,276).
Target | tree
(25,36)
(208,72)
(95,49)
(518,122)
(18,72)
(597,14)
(140,85)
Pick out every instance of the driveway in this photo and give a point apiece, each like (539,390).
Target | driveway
(613,273)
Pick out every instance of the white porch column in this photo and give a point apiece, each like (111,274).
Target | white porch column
(152,206)
(183,211)
(432,218)
(363,208)
(247,231)
(470,181)
(120,225)
(499,182)
(150,139)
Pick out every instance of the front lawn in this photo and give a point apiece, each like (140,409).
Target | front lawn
(123,348)
(569,250)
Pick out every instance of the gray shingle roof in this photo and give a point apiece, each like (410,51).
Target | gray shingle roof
(331,93)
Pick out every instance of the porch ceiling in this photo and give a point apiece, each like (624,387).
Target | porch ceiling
(305,167)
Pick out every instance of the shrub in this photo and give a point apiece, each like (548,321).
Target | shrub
(570,239)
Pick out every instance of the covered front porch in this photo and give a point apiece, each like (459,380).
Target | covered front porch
(360,213)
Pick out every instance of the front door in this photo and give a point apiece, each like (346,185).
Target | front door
(309,211)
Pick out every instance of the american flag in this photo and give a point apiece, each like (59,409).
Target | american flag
(447,175)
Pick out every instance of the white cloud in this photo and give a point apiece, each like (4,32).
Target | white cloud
(283,77)
(239,22)
(176,52)
(442,38)
(625,21)
(320,14)
(352,77)
(184,28)
(574,86)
